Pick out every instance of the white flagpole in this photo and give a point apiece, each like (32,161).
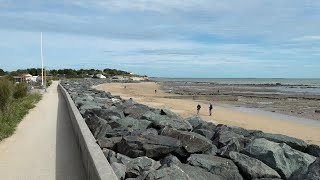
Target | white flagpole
(41,62)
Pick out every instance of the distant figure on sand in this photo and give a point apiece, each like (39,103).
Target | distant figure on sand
(198,109)
(125,87)
(210,109)
(155,91)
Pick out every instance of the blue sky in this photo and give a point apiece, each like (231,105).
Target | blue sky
(165,38)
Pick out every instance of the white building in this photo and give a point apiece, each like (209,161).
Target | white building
(101,76)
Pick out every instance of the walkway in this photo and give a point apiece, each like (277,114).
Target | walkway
(43,146)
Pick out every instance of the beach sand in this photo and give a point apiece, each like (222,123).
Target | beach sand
(144,93)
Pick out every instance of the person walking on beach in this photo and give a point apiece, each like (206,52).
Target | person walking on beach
(155,91)
(198,109)
(210,109)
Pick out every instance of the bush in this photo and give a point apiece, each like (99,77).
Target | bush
(20,90)
(48,82)
(5,93)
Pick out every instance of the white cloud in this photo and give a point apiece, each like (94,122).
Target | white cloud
(307,38)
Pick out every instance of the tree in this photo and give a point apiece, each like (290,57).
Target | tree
(2,73)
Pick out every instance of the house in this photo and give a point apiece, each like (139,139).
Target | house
(100,76)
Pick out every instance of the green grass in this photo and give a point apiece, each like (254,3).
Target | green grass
(14,113)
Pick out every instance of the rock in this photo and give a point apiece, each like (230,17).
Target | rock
(195,121)
(108,142)
(310,173)
(224,168)
(252,168)
(222,137)
(89,106)
(238,130)
(169,159)
(233,145)
(279,157)
(150,145)
(198,173)
(110,155)
(212,150)
(123,159)
(107,113)
(116,132)
(204,132)
(295,143)
(313,150)
(139,165)
(168,173)
(135,111)
(129,122)
(192,142)
(170,114)
(317,111)
(161,121)
(119,169)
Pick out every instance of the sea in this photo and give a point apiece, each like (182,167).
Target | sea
(309,86)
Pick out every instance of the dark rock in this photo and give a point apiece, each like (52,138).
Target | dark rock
(222,137)
(138,165)
(119,169)
(192,142)
(196,173)
(233,145)
(252,168)
(110,155)
(129,122)
(115,132)
(173,172)
(150,145)
(204,132)
(313,150)
(135,111)
(238,130)
(107,113)
(123,159)
(212,150)
(310,173)
(108,142)
(195,121)
(169,159)
(170,114)
(317,111)
(279,157)
(224,168)
(161,121)
(295,143)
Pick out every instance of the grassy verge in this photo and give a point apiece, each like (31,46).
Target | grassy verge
(14,113)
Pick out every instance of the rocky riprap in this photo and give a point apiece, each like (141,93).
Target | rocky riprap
(146,143)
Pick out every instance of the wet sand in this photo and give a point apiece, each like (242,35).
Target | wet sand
(144,93)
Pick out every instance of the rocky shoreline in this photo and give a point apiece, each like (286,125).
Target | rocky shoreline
(146,143)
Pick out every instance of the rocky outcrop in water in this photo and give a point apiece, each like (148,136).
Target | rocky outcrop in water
(146,143)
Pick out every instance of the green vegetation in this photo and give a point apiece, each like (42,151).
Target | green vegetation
(15,103)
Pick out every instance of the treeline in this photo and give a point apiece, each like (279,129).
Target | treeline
(68,73)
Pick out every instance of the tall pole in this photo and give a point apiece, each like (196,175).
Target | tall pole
(41,62)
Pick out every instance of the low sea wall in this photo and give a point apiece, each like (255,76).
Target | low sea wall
(96,165)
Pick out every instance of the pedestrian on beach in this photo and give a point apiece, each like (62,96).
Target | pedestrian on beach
(210,109)
(198,109)
(155,91)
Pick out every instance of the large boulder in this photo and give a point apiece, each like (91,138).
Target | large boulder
(224,168)
(128,122)
(195,121)
(169,159)
(222,137)
(108,113)
(192,142)
(109,143)
(161,121)
(313,150)
(252,168)
(279,157)
(205,132)
(140,165)
(173,172)
(119,169)
(135,111)
(150,145)
(233,145)
(295,143)
(311,173)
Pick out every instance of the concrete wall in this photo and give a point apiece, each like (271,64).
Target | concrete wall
(94,161)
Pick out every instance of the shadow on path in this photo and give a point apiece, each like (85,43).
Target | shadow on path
(68,160)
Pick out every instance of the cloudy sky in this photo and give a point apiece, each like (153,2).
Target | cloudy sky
(165,38)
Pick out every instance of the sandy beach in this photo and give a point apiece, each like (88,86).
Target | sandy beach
(144,93)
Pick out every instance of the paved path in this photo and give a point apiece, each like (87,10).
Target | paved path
(43,146)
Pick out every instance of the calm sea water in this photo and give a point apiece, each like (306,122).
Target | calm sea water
(287,85)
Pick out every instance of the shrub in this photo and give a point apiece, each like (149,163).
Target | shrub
(5,93)
(48,82)
(20,90)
